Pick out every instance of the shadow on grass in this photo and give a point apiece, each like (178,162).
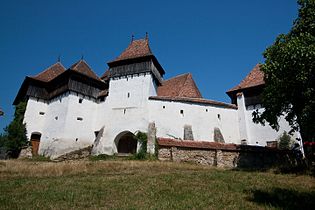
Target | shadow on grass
(284,198)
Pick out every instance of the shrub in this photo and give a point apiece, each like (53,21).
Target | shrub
(285,141)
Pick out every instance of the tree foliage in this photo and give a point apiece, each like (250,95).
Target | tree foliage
(290,76)
(14,136)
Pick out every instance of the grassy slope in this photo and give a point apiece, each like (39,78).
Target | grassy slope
(147,185)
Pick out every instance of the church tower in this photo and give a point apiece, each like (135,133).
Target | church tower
(134,75)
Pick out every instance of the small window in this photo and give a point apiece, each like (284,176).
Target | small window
(79,118)
(96,133)
(128,95)
(76,139)
(80,100)
(124,111)
(56,118)
(163,107)
(206,110)
(41,113)
(181,112)
(219,116)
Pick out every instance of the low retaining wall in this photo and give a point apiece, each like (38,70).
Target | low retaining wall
(224,155)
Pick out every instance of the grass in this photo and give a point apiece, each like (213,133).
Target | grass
(129,184)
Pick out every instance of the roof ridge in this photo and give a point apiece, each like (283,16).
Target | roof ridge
(253,78)
(48,68)
(180,75)
(182,88)
(85,71)
(136,49)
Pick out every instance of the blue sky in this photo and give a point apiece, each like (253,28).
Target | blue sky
(219,42)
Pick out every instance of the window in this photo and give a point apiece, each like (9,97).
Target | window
(128,95)
(163,107)
(219,116)
(41,113)
(206,110)
(181,112)
(80,100)
(96,133)
(56,118)
(79,118)
(124,111)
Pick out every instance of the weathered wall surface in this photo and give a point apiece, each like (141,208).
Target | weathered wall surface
(64,123)
(203,119)
(257,134)
(125,109)
(223,155)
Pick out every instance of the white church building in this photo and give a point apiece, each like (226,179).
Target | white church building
(70,109)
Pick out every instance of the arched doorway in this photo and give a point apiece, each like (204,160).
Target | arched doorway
(35,140)
(126,143)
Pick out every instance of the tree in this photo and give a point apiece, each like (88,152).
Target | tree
(14,137)
(284,141)
(290,76)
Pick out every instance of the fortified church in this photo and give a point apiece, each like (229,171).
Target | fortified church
(70,109)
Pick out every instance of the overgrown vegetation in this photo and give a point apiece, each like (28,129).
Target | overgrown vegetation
(147,185)
(14,136)
(142,138)
(290,76)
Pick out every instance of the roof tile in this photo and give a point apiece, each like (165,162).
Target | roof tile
(254,78)
(50,73)
(194,100)
(82,67)
(136,49)
(179,86)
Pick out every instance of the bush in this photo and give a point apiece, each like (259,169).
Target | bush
(285,141)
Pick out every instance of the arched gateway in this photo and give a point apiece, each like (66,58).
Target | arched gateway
(126,142)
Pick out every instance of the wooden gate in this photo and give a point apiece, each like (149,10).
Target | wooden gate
(35,140)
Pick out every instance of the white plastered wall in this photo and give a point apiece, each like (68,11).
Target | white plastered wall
(125,109)
(258,134)
(203,119)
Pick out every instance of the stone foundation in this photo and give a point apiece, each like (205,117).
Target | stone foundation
(78,154)
(224,155)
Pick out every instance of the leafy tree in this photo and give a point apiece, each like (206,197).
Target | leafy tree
(290,76)
(14,137)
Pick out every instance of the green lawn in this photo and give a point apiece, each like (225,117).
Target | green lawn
(147,185)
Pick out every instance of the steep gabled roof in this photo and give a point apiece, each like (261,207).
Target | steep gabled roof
(253,79)
(137,48)
(179,86)
(82,67)
(50,73)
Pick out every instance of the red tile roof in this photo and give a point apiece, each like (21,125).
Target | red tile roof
(254,78)
(136,49)
(50,73)
(179,86)
(194,100)
(167,142)
(82,67)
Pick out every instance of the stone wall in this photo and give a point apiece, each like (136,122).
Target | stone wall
(78,154)
(224,155)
